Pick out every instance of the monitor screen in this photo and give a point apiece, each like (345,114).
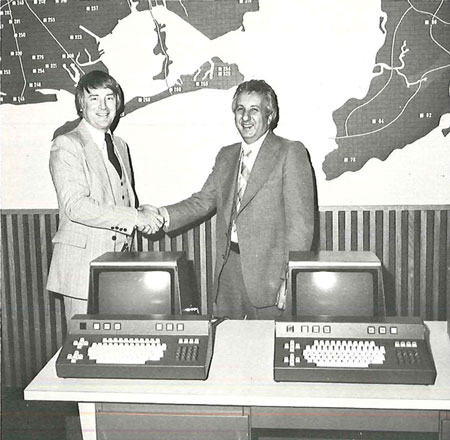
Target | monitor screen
(334,292)
(135,292)
(142,283)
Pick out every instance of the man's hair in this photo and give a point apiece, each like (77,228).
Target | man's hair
(268,94)
(97,79)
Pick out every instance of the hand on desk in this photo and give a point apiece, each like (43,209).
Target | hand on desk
(149,220)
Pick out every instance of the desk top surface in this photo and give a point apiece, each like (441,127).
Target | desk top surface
(241,374)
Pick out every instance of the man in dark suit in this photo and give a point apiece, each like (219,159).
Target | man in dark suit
(91,172)
(263,193)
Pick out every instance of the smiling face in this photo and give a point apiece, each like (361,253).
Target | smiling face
(99,107)
(251,116)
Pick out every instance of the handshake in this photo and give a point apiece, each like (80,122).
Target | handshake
(150,219)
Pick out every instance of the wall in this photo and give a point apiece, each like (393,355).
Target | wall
(364,85)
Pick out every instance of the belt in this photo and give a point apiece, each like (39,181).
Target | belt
(234,247)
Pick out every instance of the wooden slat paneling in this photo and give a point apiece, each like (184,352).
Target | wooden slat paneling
(412,243)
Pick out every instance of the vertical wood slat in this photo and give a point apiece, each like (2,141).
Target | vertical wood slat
(435,277)
(335,229)
(348,230)
(423,262)
(17,351)
(398,266)
(412,242)
(24,307)
(360,227)
(7,338)
(43,232)
(34,297)
(322,230)
(410,262)
(372,231)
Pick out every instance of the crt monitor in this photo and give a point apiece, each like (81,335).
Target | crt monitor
(142,283)
(335,283)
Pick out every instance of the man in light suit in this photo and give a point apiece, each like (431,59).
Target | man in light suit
(92,176)
(263,192)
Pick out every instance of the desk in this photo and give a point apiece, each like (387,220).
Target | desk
(240,395)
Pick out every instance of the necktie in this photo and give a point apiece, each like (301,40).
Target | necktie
(244,173)
(243,178)
(112,155)
(446,131)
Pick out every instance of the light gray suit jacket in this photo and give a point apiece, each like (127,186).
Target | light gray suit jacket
(90,222)
(276,214)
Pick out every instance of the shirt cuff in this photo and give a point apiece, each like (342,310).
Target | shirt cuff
(163,211)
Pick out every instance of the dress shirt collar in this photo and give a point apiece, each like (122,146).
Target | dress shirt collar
(97,135)
(254,147)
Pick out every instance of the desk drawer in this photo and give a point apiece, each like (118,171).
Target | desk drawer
(345,419)
(170,422)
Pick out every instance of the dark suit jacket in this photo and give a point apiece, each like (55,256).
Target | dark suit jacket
(276,214)
(90,222)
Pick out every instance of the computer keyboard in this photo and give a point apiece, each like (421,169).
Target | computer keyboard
(378,350)
(138,347)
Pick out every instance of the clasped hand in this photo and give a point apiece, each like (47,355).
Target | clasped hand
(149,219)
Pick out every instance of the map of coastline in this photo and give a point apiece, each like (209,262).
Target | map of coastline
(409,90)
(364,85)
(49,53)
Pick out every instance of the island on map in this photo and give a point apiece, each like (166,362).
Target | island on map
(213,18)
(408,92)
(213,74)
(51,44)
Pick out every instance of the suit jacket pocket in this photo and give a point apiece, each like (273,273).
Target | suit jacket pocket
(70,238)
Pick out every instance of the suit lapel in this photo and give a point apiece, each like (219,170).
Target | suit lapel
(123,159)
(263,166)
(228,184)
(94,158)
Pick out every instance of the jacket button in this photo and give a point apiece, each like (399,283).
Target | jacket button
(125,229)
(113,238)
(112,227)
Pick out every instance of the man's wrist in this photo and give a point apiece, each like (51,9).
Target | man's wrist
(165,214)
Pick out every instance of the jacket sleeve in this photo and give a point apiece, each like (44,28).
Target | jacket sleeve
(299,198)
(70,173)
(197,206)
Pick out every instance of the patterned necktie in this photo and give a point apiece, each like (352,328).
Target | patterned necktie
(244,174)
(112,155)
(243,178)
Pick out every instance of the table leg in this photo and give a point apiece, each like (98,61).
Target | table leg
(87,420)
